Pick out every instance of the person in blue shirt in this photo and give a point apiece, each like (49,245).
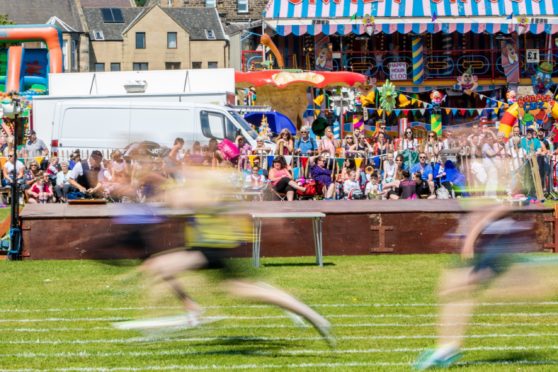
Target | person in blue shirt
(426,171)
(530,143)
(305,145)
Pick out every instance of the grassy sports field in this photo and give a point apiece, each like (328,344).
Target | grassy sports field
(57,315)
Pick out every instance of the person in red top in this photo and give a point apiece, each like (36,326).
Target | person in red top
(282,179)
(41,191)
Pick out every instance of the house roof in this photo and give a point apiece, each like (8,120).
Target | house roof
(111,31)
(107,3)
(29,12)
(197,20)
(194,20)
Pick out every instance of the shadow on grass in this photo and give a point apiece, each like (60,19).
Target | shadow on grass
(257,345)
(529,358)
(296,264)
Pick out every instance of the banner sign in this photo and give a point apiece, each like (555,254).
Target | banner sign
(397,71)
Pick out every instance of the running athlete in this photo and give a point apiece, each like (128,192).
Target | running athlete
(212,234)
(489,244)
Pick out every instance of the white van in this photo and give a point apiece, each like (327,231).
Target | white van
(114,125)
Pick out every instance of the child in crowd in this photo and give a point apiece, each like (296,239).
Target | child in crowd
(351,187)
(373,189)
(255,180)
(41,191)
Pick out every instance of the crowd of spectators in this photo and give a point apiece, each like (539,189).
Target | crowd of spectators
(476,161)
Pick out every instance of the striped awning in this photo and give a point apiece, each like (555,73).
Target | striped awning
(344,17)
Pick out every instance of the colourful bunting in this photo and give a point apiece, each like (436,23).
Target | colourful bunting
(288,159)
(448,111)
(251,159)
(358,162)
(463,112)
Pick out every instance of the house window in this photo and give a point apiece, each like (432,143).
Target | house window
(140,40)
(171,40)
(112,15)
(115,66)
(99,67)
(242,6)
(196,65)
(210,34)
(172,65)
(98,35)
(140,66)
(210,3)
(212,64)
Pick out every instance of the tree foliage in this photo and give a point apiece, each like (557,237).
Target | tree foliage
(4,20)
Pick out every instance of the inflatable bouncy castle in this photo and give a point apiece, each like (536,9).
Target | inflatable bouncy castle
(25,71)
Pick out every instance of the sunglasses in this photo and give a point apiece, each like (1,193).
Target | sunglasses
(398,160)
(431,136)
(422,157)
(302,132)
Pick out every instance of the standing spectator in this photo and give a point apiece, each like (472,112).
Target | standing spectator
(305,145)
(34,146)
(409,142)
(328,144)
(285,143)
(119,168)
(41,191)
(86,176)
(8,171)
(75,158)
(63,185)
(3,143)
(432,147)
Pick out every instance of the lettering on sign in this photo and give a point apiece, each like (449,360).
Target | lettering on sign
(320,22)
(532,56)
(313,2)
(398,71)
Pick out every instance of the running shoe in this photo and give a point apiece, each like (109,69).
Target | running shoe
(437,358)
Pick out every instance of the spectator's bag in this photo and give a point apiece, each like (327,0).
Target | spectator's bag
(75,195)
(229,150)
(356,194)
(310,188)
(442,193)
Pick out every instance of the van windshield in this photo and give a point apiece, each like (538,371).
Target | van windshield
(244,124)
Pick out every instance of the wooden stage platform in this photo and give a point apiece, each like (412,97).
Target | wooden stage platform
(61,231)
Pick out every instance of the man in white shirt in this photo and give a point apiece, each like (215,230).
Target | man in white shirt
(87,175)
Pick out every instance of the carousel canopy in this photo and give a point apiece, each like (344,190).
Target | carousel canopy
(344,17)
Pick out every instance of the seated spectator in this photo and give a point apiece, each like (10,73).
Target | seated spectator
(282,180)
(407,187)
(426,172)
(322,176)
(305,145)
(41,191)
(255,180)
(362,148)
(63,186)
(351,187)
(373,188)
(8,171)
(30,176)
(52,169)
(422,187)
(285,143)
(86,176)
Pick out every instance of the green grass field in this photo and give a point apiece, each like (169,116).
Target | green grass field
(57,315)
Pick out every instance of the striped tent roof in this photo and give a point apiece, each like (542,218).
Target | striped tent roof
(349,16)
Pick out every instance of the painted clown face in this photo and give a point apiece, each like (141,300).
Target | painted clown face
(511,96)
(436,97)
(542,82)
